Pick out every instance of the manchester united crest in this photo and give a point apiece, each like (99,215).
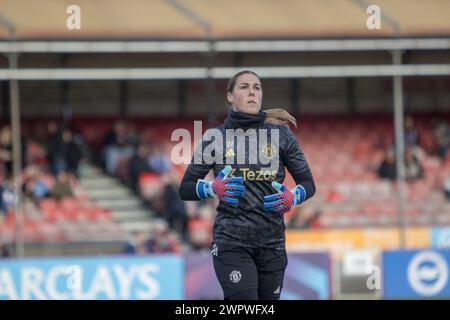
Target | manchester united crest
(267,151)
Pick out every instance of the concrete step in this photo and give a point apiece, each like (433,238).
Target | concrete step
(100,183)
(101,177)
(107,194)
(131,215)
(88,169)
(140,226)
(120,204)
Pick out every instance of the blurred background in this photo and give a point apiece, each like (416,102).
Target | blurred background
(91,92)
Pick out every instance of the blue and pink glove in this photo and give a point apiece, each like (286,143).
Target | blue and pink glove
(229,190)
(285,200)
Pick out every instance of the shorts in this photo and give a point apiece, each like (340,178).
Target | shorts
(257,270)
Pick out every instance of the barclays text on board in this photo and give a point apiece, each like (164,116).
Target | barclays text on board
(156,277)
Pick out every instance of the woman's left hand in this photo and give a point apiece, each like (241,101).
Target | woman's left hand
(285,199)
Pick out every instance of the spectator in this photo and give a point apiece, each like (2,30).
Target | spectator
(447,188)
(387,169)
(115,134)
(55,149)
(137,244)
(35,186)
(413,167)
(6,160)
(131,135)
(63,187)
(138,164)
(314,221)
(176,212)
(6,150)
(158,161)
(72,152)
(412,137)
(441,135)
(305,219)
(7,196)
(116,145)
(161,241)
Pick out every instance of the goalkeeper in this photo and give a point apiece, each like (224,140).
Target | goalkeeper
(248,248)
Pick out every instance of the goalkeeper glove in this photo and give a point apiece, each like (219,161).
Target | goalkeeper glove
(285,200)
(229,190)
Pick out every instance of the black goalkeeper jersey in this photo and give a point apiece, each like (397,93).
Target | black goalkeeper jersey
(248,224)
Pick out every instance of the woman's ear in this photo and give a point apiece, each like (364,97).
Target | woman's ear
(230,97)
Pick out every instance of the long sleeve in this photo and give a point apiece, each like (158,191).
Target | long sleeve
(297,165)
(197,169)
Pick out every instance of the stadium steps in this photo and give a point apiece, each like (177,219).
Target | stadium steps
(130,215)
(110,203)
(109,194)
(94,182)
(126,208)
(141,226)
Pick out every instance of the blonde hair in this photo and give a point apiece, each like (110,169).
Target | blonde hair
(280,116)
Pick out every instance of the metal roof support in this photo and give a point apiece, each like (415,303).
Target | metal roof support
(285,72)
(226,45)
(399,146)
(206,26)
(16,141)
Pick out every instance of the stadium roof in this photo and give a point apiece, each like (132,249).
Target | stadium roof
(231,19)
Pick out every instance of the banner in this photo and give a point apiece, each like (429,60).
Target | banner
(440,237)
(93,278)
(359,273)
(307,277)
(338,241)
(416,274)
(200,279)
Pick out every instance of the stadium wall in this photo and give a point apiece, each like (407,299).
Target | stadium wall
(152,277)
(360,274)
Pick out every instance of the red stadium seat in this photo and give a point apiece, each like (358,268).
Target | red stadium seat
(149,185)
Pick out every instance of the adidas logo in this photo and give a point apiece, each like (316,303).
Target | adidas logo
(215,250)
(230,153)
(277,291)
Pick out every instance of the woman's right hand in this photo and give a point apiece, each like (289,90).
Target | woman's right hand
(228,190)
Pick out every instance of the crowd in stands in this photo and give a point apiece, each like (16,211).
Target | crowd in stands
(414,155)
(304,219)
(160,240)
(365,164)
(441,135)
(145,166)
(414,150)
(49,172)
(51,168)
